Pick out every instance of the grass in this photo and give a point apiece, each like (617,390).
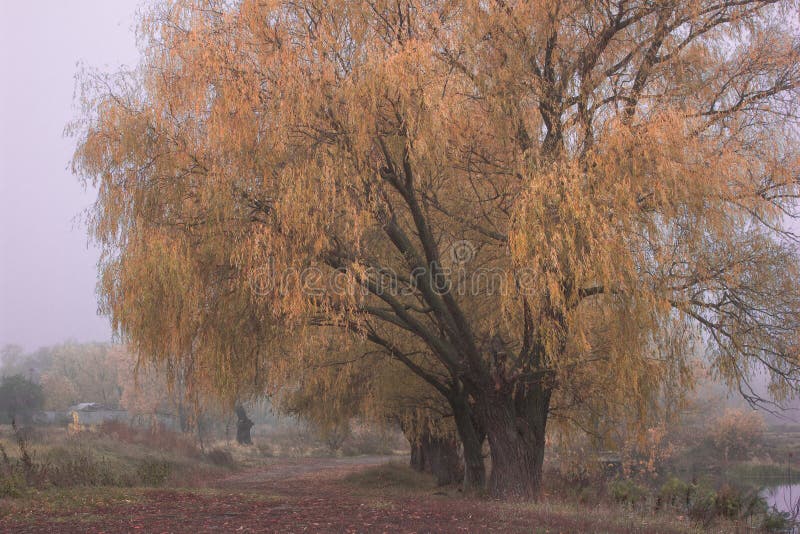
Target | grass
(393,477)
(390,482)
(63,501)
(96,471)
(395,480)
(59,460)
(55,501)
(616,518)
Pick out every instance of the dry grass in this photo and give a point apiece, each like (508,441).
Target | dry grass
(392,478)
(396,481)
(109,457)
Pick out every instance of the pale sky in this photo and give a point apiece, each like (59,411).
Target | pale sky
(47,270)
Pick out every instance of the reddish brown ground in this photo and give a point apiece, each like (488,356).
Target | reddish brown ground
(304,495)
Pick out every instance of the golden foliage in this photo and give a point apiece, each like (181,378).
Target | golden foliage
(625,169)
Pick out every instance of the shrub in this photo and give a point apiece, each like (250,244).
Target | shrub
(776,521)
(29,434)
(728,501)
(589,495)
(675,492)
(220,457)
(76,466)
(12,484)
(155,437)
(18,474)
(153,472)
(392,476)
(265,449)
(626,491)
(702,504)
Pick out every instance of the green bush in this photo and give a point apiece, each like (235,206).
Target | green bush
(776,521)
(702,503)
(675,492)
(728,501)
(626,491)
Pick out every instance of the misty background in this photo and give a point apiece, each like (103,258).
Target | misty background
(47,267)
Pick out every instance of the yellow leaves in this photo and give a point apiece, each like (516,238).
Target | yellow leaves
(264,140)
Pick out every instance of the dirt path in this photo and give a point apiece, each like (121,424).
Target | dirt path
(299,495)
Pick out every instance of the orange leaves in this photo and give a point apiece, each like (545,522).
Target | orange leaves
(611,171)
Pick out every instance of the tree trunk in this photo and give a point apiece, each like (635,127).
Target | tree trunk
(440,455)
(515,426)
(472,437)
(200,431)
(437,456)
(183,419)
(417,458)
(243,426)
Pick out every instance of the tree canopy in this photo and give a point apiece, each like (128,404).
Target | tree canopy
(517,201)
(20,398)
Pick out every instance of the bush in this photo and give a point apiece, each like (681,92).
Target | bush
(776,521)
(391,476)
(220,457)
(12,481)
(675,492)
(728,502)
(153,472)
(589,494)
(702,504)
(155,437)
(265,449)
(70,467)
(626,491)
(18,474)
(12,484)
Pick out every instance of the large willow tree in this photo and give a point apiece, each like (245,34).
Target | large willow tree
(513,199)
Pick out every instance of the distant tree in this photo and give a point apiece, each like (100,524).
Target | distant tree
(91,368)
(15,361)
(738,434)
(9,355)
(59,391)
(20,398)
(78,372)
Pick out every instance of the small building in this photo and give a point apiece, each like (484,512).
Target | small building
(50,417)
(92,413)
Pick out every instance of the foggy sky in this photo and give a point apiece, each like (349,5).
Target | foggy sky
(47,271)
